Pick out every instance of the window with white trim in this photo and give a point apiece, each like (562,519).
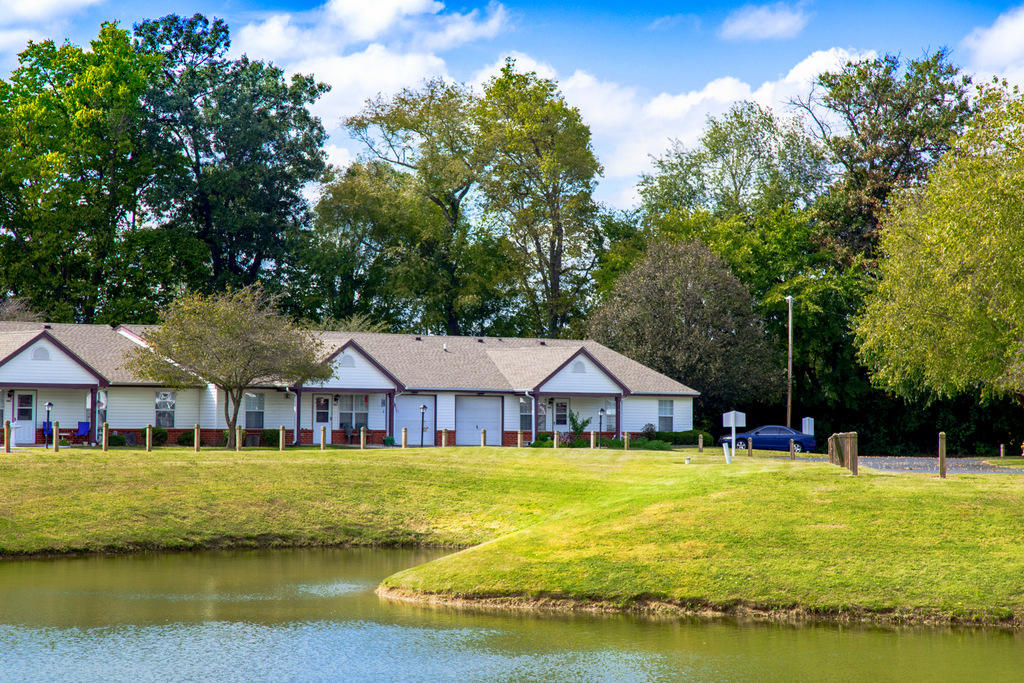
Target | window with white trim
(526,415)
(354,411)
(665,415)
(165,401)
(254,408)
(562,413)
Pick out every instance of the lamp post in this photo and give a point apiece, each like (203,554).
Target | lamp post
(49,407)
(600,425)
(423,422)
(789,368)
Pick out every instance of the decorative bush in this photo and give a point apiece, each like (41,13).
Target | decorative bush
(116,440)
(389,441)
(649,432)
(159,436)
(579,443)
(611,443)
(687,438)
(543,437)
(642,444)
(186,438)
(576,424)
(227,437)
(542,443)
(270,437)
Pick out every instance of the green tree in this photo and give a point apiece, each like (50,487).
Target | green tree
(240,145)
(682,312)
(885,122)
(431,135)
(75,158)
(538,189)
(947,316)
(233,340)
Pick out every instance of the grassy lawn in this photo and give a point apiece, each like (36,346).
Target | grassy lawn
(590,526)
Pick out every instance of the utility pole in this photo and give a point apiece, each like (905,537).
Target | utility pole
(789,368)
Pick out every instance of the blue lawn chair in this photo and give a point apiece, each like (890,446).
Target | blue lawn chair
(83,429)
(47,429)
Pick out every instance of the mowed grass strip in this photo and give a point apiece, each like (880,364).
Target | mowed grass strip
(615,527)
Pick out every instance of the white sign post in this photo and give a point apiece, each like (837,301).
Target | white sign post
(733,419)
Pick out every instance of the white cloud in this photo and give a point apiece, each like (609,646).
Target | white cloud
(368,19)
(760,22)
(15,40)
(458,29)
(15,11)
(998,50)
(670,21)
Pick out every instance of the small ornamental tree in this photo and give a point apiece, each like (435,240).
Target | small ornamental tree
(234,340)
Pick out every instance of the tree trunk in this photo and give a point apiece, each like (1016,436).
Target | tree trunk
(231,414)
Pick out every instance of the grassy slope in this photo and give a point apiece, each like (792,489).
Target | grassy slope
(608,526)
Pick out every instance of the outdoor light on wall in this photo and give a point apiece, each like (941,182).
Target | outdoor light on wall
(10,393)
(600,422)
(337,398)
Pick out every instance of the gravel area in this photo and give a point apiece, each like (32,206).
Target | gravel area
(925,465)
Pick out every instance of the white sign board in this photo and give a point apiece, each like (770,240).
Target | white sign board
(734,418)
(807,425)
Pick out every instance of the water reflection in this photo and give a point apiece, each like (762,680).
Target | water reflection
(312,615)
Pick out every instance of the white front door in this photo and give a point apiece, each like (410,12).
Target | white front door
(25,417)
(321,416)
(419,424)
(473,413)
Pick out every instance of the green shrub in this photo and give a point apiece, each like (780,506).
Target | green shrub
(649,432)
(159,436)
(542,443)
(579,443)
(546,436)
(389,441)
(227,437)
(65,442)
(642,444)
(116,440)
(186,438)
(577,425)
(269,437)
(611,443)
(687,438)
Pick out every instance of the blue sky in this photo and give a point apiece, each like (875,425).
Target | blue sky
(641,73)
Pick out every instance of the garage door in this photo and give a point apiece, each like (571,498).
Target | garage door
(407,414)
(473,413)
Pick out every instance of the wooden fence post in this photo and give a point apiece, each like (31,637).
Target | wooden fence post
(197,438)
(625,441)
(444,438)
(238,437)
(1002,450)
(837,441)
(106,436)
(149,438)
(854,454)
(405,437)
(56,436)
(281,432)
(700,443)
(792,450)
(7,436)
(362,438)
(554,437)
(323,437)
(593,439)
(750,447)
(483,437)
(942,455)
(519,439)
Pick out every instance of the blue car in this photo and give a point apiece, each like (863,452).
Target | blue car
(772,438)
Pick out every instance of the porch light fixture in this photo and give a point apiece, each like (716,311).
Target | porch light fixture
(600,425)
(337,398)
(423,418)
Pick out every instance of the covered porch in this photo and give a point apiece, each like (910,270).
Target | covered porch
(602,409)
(32,409)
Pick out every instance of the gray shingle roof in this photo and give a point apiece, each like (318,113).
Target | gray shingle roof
(417,361)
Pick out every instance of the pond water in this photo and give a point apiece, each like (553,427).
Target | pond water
(313,615)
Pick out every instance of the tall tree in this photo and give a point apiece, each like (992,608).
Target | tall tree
(234,340)
(539,189)
(431,134)
(75,157)
(683,313)
(948,316)
(885,122)
(241,144)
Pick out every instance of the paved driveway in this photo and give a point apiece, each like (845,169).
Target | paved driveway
(927,465)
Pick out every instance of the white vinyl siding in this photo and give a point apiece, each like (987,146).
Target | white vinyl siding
(445,411)
(58,369)
(638,411)
(571,380)
(352,370)
(135,407)
(376,410)
(408,415)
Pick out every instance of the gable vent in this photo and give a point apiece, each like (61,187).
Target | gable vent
(479,340)
(543,343)
(419,338)
(579,367)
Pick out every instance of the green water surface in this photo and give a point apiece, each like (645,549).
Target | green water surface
(280,615)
